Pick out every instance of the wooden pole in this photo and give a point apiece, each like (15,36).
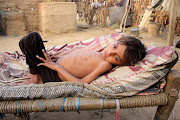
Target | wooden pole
(172,22)
(125,20)
(126,13)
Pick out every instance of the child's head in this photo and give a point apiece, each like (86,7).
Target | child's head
(135,50)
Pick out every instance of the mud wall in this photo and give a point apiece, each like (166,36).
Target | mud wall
(57,17)
(20,16)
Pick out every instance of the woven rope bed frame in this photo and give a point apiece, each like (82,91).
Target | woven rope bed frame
(164,100)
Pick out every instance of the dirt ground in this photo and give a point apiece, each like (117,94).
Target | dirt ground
(10,43)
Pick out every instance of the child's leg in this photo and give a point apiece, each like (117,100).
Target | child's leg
(32,45)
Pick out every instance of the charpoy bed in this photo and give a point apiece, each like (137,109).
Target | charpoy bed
(141,85)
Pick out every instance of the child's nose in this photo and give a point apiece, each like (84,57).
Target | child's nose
(111,52)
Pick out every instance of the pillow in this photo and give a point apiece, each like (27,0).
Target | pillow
(155,59)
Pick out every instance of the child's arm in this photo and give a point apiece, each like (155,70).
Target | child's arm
(102,68)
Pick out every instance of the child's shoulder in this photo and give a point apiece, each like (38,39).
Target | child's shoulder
(105,65)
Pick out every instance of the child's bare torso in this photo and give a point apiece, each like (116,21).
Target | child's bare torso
(80,63)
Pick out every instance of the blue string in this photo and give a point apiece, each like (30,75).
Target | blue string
(2,12)
(103,104)
(8,13)
(41,105)
(78,104)
(18,106)
(115,103)
(63,104)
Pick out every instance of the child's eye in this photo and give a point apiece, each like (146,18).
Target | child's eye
(114,45)
(116,58)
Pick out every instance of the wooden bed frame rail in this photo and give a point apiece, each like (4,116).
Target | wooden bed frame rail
(164,100)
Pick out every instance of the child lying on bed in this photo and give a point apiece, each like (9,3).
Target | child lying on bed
(80,66)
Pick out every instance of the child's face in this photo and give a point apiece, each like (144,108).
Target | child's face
(114,54)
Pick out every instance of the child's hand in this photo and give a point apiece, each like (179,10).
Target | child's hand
(47,62)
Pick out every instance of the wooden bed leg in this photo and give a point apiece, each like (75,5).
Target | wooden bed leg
(22,116)
(172,91)
(164,111)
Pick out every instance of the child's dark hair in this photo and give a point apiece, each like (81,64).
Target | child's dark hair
(135,50)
